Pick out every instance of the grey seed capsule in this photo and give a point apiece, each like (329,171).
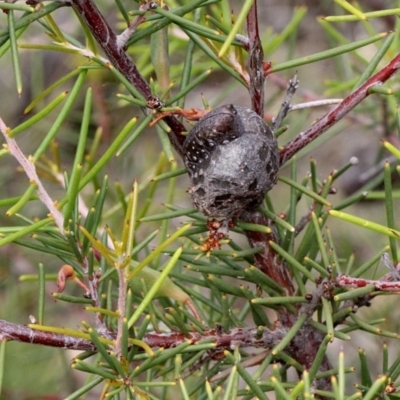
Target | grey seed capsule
(239,165)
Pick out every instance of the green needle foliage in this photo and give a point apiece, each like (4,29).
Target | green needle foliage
(101,250)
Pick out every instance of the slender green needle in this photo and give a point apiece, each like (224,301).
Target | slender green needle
(14,51)
(236,26)
(328,53)
(366,224)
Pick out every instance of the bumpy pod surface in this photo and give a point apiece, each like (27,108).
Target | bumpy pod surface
(232,159)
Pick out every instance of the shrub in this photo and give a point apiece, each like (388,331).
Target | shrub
(175,304)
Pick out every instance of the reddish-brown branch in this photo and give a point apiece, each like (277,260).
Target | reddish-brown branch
(268,260)
(107,39)
(346,281)
(222,340)
(22,333)
(256,62)
(117,56)
(336,114)
(308,339)
(303,347)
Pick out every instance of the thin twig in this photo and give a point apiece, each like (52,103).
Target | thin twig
(28,166)
(346,281)
(117,56)
(337,113)
(237,336)
(286,105)
(256,62)
(123,38)
(268,260)
(314,103)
